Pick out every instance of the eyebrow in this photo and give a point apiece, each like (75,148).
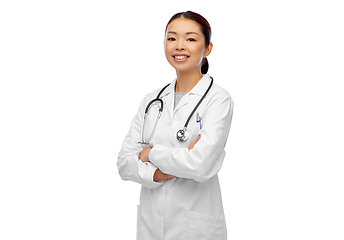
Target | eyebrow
(186,33)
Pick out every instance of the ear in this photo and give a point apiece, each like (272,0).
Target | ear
(208,50)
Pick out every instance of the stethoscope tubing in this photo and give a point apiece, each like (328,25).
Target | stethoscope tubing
(182,135)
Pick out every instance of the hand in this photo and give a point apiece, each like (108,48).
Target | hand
(144,154)
(160,176)
(194,143)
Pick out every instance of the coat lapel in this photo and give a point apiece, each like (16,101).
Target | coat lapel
(168,95)
(185,100)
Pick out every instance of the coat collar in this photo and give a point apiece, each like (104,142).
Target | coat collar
(199,89)
(202,85)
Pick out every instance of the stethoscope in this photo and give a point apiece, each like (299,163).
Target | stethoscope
(182,135)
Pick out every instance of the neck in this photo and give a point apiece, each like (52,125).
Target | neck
(186,81)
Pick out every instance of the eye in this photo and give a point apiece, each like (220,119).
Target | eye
(171,39)
(191,40)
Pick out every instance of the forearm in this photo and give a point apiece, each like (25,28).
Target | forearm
(160,176)
(199,164)
(131,168)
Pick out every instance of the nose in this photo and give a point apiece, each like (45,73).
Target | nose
(180,46)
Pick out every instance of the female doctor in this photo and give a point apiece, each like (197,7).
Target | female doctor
(176,157)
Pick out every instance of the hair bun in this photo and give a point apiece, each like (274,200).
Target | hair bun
(205,66)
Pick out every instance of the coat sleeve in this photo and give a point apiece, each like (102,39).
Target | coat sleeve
(205,159)
(129,165)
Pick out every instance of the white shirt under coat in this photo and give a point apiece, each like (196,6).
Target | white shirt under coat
(190,206)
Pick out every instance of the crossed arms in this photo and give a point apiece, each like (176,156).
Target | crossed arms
(158,174)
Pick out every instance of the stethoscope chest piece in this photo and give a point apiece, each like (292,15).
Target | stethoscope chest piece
(183,135)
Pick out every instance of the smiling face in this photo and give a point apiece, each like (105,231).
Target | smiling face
(185,45)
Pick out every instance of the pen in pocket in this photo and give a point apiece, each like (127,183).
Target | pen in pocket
(199,120)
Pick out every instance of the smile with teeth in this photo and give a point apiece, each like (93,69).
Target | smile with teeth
(181,57)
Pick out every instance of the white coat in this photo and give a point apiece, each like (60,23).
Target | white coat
(188,207)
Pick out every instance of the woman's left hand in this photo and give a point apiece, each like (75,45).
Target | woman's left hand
(144,154)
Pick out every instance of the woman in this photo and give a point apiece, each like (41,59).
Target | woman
(180,194)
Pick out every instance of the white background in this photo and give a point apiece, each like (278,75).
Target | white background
(72,76)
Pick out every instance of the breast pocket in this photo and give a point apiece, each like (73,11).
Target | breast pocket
(194,130)
(203,227)
(196,124)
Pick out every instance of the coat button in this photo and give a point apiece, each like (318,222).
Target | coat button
(160,213)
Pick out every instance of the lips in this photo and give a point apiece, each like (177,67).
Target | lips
(180,57)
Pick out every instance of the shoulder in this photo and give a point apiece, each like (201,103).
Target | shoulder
(219,101)
(217,92)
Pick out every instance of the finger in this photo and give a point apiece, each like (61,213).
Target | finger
(194,143)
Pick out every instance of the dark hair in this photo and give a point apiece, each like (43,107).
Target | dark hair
(205,26)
